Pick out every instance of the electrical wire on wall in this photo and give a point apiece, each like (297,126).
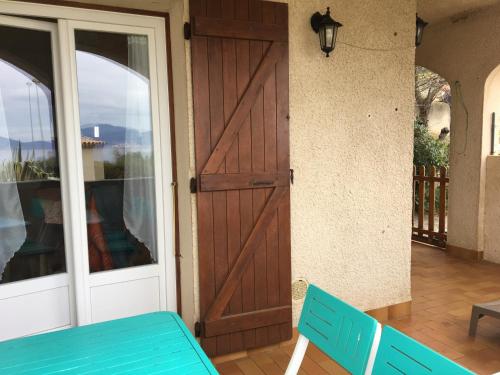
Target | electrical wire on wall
(458,93)
(376,49)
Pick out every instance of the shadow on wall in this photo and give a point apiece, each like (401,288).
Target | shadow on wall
(492,106)
(491,234)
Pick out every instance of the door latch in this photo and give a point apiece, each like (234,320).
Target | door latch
(197,329)
(187,31)
(193,185)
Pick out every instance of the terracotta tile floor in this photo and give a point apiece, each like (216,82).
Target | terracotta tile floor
(443,291)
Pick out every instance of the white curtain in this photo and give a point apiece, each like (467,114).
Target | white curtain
(138,193)
(12,225)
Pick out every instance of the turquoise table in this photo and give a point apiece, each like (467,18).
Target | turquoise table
(157,343)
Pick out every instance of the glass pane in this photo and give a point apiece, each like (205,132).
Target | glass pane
(31,221)
(116,131)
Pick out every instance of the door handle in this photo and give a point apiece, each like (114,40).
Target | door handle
(262,183)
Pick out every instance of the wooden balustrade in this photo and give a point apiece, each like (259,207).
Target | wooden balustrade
(426,182)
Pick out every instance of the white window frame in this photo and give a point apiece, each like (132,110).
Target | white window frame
(65,279)
(68,18)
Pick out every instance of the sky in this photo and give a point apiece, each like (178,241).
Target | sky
(15,108)
(111,93)
(108,93)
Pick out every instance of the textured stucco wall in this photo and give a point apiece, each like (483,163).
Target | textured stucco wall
(351,149)
(439,117)
(437,10)
(492,210)
(491,239)
(466,51)
(492,105)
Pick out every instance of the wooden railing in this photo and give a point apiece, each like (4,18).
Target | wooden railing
(430,205)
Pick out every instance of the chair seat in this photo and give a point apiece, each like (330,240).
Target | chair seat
(400,354)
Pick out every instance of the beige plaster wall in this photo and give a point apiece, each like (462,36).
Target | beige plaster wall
(351,148)
(439,117)
(466,51)
(492,210)
(492,104)
(492,179)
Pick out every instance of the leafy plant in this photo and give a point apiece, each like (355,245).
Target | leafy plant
(17,169)
(429,151)
(116,169)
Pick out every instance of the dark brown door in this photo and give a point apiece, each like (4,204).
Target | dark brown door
(240,91)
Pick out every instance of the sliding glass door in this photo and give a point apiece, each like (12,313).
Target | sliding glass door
(117,149)
(85,212)
(34,282)
(116,96)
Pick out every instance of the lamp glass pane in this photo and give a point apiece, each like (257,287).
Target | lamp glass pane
(329,36)
(419,34)
(322,41)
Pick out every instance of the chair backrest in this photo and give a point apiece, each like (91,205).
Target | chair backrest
(400,354)
(341,331)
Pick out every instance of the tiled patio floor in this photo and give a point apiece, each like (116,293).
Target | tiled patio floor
(443,291)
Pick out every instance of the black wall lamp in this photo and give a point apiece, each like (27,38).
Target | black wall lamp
(326,27)
(421,24)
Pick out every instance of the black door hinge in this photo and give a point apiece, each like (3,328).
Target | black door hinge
(193,185)
(197,329)
(291,176)
(187,31)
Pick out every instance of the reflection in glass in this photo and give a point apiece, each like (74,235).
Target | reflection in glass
(31,222)
(116,132)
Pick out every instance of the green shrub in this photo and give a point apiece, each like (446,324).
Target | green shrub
(428,150)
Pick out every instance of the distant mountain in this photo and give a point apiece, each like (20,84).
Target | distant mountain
(4,142)
(117,135)
(37,145)
(112,135)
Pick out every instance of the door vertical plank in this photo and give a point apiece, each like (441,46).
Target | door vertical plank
(199,51)
(258,165)
(204,200)
(214,9)
(232,166)
(228,9)
(270,163)
(283,165)
(245,163)
(198,7)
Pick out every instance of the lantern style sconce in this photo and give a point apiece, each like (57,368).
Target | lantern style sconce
(326,27)
(421,24)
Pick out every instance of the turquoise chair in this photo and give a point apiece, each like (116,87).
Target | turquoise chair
(399,354)
(347,335)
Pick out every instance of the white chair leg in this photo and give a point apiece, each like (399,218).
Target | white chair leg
(374,349)
(298,356)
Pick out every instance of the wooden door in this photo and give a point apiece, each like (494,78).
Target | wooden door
(240,91)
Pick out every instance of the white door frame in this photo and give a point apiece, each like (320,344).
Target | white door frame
(84,281)
(155,26)
(50,282)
